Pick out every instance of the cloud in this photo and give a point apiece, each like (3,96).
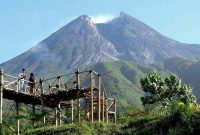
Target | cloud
(102,18)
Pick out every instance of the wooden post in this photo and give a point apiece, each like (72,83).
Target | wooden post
(56,116)
(42,92)
(72,111)
(17,113)
(99,101)
(59,114)
(34,88)
(106,109)
(49,88)
(78,106)
(77,79)
(1,100)
(78,94)
(115,115)
(91,96)
(33,113)
(41,86)
(103,107)
(86,108)
(44,119)
(17,86)
(59,83)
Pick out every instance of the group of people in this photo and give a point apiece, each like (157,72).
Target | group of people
(22,82)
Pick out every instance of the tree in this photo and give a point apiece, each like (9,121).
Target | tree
(165,90)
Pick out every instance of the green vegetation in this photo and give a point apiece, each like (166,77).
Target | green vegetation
(187,70)
(178,118)
(122,79)
(156,104)
(179,113)
(84,128)
(165,90)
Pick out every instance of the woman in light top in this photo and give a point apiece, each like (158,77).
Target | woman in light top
(22,77)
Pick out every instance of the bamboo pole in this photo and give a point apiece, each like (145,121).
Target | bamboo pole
(91,96)
(99,101)
(1,100)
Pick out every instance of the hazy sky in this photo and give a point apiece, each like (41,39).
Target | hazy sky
(24,23)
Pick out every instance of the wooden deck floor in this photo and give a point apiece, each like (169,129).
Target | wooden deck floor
(51,100)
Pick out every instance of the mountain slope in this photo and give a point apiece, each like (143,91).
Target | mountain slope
(76,45)
(82,43)
(122,79)
(187,70)
(135,40)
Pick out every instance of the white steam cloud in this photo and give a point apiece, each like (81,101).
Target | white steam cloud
(102,18)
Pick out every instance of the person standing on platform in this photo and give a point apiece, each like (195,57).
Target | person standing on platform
(22,77)
(32,83)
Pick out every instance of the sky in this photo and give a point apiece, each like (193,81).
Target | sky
(25,23)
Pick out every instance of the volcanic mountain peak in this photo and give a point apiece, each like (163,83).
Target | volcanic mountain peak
(82,20)
(85,19)
(83,43)
(124,15)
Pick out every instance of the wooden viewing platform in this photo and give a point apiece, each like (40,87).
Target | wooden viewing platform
(61,92)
